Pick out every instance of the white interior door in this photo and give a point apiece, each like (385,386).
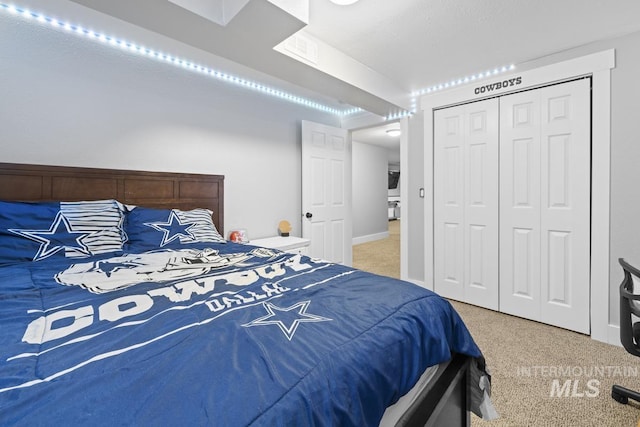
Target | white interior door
(520,205)
(545,153)
(466,203)
(326,192)
(481,204)
(448,202)
(566,214)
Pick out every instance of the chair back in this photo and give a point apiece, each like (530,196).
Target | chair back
(629,306)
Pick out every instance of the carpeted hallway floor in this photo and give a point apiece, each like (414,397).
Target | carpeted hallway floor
(380,256)
(541,375)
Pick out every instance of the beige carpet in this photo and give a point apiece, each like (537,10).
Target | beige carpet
(380,256)
(532,362)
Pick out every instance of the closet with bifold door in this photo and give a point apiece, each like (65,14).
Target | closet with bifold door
(512,203)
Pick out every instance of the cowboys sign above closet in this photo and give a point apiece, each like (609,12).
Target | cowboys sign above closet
(511,203)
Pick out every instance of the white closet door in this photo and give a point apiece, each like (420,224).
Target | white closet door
(520,205)
(545,148)
(448,194)
(466,203)
(566,215)
(481,204)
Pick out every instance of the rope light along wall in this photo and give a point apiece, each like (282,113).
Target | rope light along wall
(134,48)
(446,85)
(222,76)
(463,80)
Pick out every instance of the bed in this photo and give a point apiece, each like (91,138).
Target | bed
(121,303)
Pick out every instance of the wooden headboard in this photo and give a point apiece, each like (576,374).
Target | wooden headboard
(150,189)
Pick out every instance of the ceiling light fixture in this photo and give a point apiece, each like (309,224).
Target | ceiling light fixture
(344,2)
(393,132)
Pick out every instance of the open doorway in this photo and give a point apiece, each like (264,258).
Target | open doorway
(377,204)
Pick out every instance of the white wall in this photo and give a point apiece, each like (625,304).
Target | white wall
(69,101)
(412,204)
(370,182)
(625,163)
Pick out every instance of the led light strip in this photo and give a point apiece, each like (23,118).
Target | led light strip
(463,80)
(229,78)
(447,85)
(400,115)
(178,62)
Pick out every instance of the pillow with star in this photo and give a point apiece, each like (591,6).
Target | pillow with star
(35,231)
(149,229)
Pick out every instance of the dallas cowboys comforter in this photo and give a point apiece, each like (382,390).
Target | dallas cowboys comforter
(212,334)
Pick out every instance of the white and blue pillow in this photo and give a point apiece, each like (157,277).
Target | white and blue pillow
(34,231)
(150,229)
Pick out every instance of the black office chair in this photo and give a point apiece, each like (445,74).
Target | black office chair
(629,330)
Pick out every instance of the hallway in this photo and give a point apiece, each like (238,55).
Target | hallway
(380,256)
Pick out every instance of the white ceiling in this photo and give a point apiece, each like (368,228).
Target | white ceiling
(377,135)
(375,53)
(419,43)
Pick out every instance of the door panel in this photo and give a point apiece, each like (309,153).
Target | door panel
(545,189)
(448,202)
(481,203)
(326,191)
(318,192)
(337,233)
(477,242)
(559,262)
(466,203)
(523,276)
(520,205)
(565,215)
(337,183)
(453,262)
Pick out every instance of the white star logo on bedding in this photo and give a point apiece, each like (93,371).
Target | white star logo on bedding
(287,319)
(173,229)
(60,236)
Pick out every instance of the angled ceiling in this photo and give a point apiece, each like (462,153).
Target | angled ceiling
(375,53)
(420,43)
(249,35)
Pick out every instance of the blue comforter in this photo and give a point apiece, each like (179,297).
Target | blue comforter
(226,335)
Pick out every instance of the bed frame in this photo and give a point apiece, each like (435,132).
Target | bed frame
(444,402)
(150,189)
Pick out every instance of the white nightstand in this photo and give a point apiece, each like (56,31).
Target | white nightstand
(291,244)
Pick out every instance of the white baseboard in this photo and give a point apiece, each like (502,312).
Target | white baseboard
(614,335)
(369,238)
